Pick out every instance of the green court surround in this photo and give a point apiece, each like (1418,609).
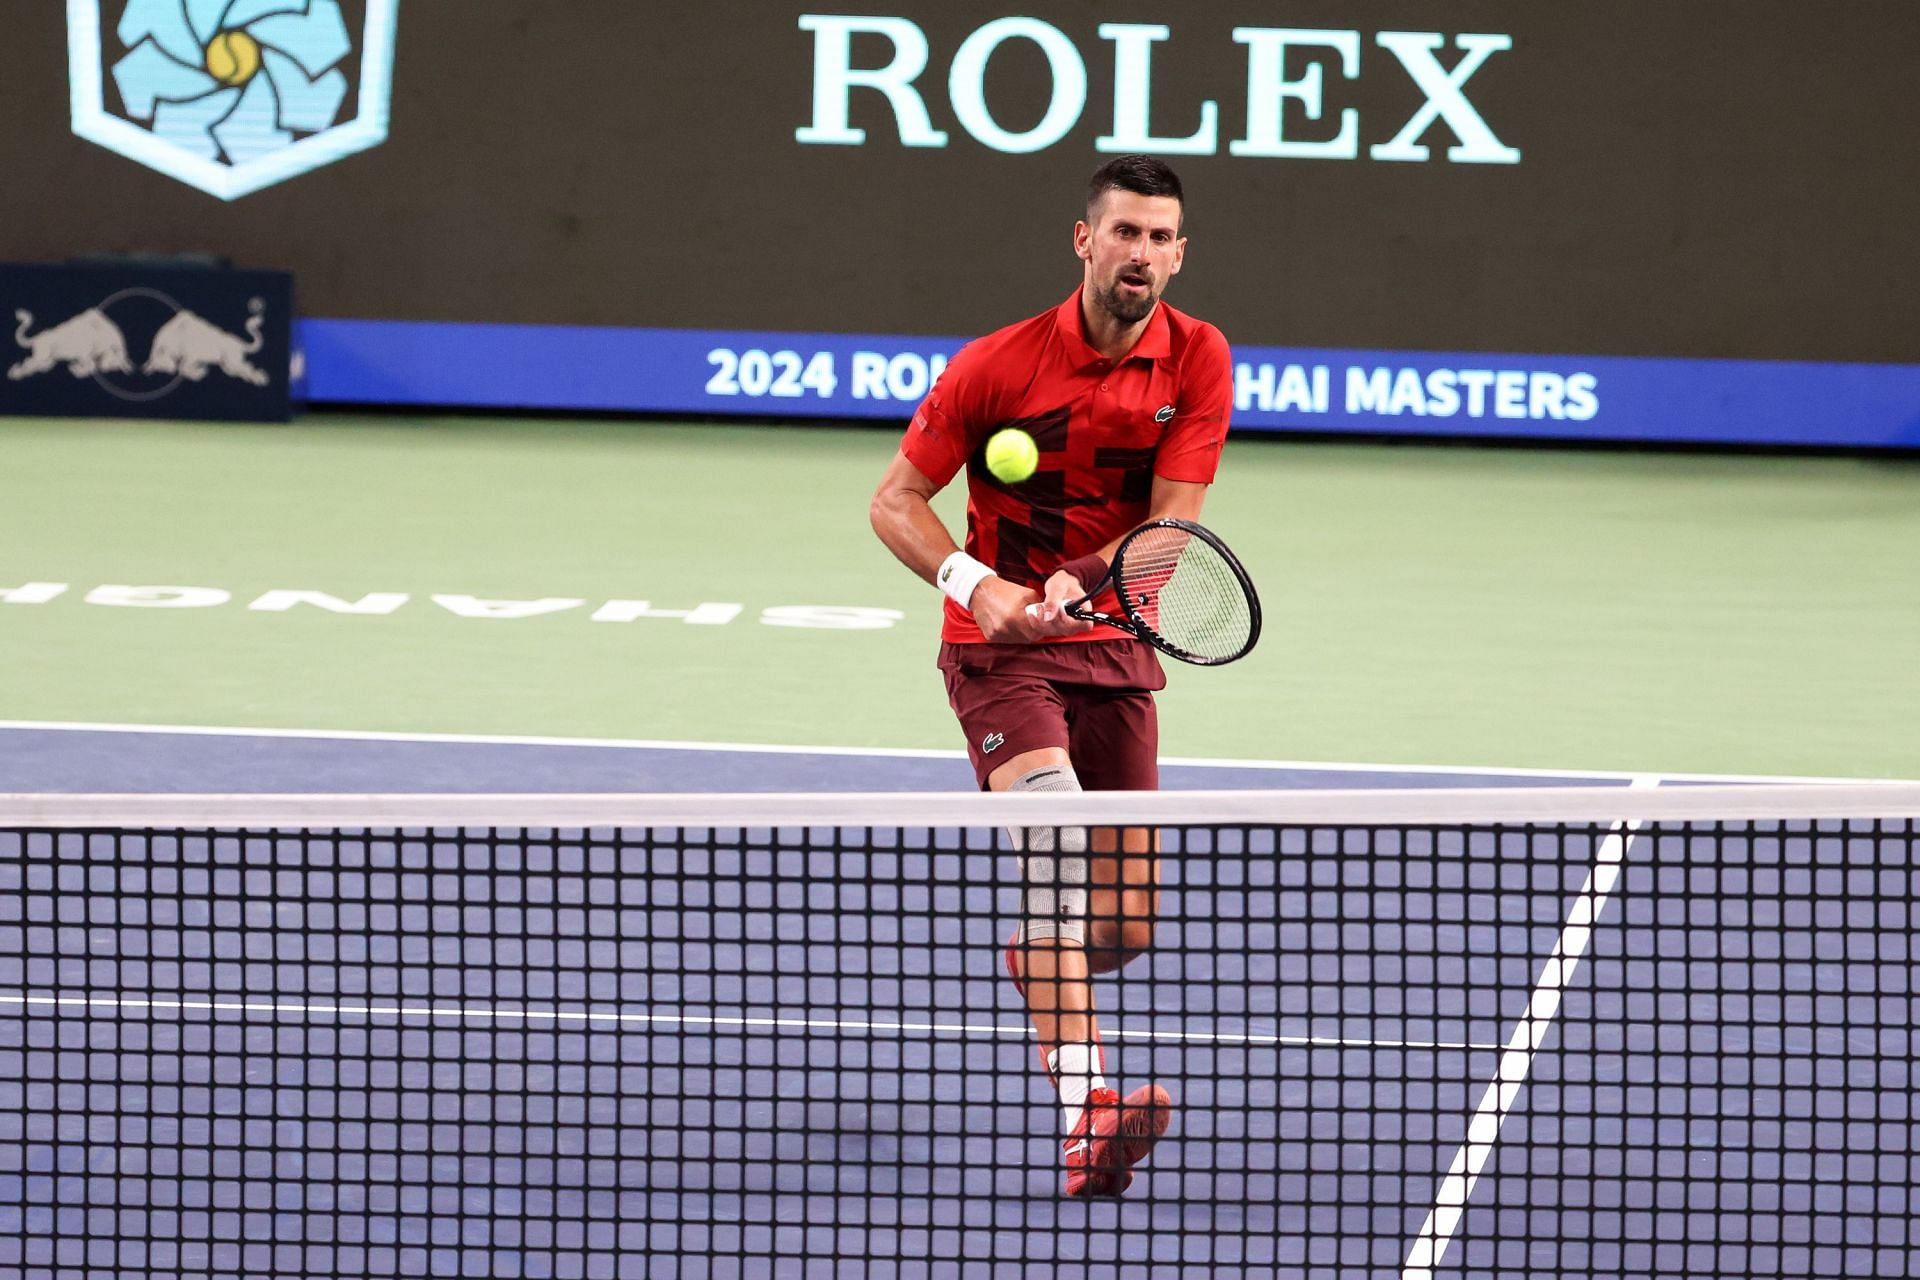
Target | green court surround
(1435,605)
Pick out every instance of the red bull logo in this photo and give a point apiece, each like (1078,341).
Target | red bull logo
(184,347)
(230,96)
(88,345)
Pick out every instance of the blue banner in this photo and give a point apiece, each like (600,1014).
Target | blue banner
(763,374)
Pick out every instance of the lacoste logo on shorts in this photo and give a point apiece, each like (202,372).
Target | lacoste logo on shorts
(993,742)
(1165,414)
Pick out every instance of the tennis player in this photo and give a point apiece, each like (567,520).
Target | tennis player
(1128,401)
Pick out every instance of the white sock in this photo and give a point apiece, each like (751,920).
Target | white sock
(1076,1071)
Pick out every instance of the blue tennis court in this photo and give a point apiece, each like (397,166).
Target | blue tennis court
(717,1050)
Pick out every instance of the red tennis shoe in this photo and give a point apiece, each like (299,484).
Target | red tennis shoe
(1112,1137)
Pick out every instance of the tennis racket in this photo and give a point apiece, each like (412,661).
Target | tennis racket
(1181,591)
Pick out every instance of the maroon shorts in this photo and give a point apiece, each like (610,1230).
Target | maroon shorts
(1093,697)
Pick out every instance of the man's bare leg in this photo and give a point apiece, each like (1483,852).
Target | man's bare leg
(1125,899)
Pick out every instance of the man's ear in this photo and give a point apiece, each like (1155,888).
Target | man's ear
(1082,241)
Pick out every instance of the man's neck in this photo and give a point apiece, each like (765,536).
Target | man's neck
(1105,333)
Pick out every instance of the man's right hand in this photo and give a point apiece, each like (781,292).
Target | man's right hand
(1000,610)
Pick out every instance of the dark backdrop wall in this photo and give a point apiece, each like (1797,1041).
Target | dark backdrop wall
(1712,178)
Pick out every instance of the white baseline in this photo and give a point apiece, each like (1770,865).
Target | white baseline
(900,753)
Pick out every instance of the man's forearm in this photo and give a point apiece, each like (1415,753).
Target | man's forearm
(1174,499)
(907,525)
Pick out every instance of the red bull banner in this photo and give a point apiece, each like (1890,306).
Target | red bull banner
(147,341)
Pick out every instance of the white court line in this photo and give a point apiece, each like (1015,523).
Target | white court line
(1429,1248)
(904,753)
(466,1013)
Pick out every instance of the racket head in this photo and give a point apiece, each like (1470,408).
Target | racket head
(1186,593)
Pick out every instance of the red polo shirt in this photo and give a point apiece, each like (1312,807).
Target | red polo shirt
(1105,429)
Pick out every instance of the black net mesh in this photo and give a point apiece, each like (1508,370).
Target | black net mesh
(1542,1051)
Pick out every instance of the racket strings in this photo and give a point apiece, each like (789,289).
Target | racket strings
(1182,588)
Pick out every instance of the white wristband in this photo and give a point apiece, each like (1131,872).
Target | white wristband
(959,574)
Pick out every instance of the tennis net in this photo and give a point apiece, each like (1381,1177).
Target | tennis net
(1544,1031)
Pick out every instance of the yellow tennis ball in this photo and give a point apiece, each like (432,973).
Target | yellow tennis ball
(233,57)
(1012,455)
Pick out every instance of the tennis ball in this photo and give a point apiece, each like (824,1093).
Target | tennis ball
(233,57)
(1012,455)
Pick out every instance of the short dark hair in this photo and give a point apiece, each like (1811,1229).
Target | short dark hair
(1142,175)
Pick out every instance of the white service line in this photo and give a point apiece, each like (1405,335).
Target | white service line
(1516,1063)
(470,1013)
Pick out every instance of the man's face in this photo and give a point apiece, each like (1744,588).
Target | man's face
(1131,248)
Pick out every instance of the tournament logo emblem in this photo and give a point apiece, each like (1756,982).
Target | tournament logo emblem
(230,96)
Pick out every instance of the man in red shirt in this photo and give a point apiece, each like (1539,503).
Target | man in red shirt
(1128,401)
